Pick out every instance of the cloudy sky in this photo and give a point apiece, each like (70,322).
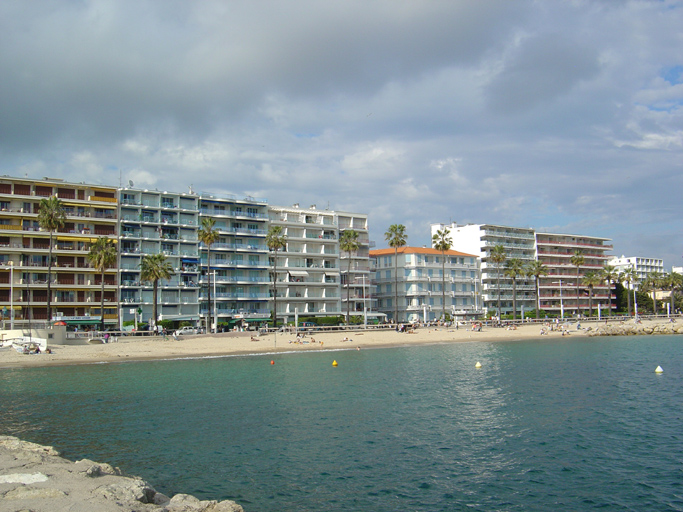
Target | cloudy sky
(558,115)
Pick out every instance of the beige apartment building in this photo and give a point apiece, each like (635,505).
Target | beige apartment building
(91,212)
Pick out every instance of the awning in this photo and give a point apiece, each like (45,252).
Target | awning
(190,260)
(298,273)
(76,239)
(255,320)
(328,273)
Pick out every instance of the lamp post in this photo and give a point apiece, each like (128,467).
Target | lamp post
(365,308)
(11,295)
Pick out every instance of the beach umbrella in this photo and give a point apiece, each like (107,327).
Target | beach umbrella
(60,323)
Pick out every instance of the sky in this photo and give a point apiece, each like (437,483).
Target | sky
(563,116)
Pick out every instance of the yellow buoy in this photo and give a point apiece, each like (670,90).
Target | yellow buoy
(334,363)
(478,365)
(659,370)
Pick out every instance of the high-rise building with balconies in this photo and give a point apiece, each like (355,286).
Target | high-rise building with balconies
(239,263)
(91,212)
(154,222)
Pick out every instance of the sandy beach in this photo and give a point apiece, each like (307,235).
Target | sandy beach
(133,348)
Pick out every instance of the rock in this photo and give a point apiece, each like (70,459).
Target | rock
(33,478)
(127,490)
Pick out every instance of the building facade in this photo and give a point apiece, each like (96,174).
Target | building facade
(308,270)
(419,284)
(356,282)
(239,266)
(562,291)
(480,239)
(642,267)
(156,222)
(91,212)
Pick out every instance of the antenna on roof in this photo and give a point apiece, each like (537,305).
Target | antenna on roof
(131,184)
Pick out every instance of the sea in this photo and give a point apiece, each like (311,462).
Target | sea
(542,425)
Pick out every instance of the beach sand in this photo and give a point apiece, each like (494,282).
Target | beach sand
(134,348)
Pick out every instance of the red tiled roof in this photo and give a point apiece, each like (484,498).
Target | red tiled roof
(416,250)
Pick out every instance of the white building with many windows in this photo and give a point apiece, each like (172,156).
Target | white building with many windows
(419,285)
(642,266)
(480,239)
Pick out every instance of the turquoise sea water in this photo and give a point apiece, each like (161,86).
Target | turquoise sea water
(570,424)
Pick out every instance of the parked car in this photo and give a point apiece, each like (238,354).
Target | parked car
(186,330)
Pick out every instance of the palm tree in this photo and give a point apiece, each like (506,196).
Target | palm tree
(577,260)
(514,267)
(609,275)
(396,236)
(497,256)
(155,267)
(653,283)
(536,269)
(208,235)
(442,242)
(102,256)
(276,241)
(51,217)
(590,281)
(628,276)
(348,242)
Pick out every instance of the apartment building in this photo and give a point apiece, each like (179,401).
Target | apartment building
(308,270)
(356,282)
(418,287)
(239,266)
(91,212)
(642,267)
(562,287)
(154,222)
(480,239)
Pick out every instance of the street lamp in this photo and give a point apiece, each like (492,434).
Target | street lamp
(365,309)
(11,295)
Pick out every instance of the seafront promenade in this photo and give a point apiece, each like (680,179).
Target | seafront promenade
(134,348)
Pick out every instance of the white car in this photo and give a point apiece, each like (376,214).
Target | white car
(186,330)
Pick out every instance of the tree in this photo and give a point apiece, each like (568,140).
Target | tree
(577,260)
(672,282)
(442,242)
(208,235)
(498,257)
(514,267)
(628,276)
(536,269)
(276,241)
(609,275)
(51,217)
(653,283)
(348,242)
(155,267)
(102,256)
(396,236)
(590,281)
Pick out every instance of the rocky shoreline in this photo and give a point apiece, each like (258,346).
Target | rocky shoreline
(633,329)
(34,478)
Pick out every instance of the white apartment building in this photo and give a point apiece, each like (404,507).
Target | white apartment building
(356,282)
(642,266)
(562,287)
(154,222)
(479,240)
(239,261)
(420,281)
(308,269)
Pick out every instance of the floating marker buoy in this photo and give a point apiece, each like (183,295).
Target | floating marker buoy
(272,362)
(334,363)
(659,370)
(478,365)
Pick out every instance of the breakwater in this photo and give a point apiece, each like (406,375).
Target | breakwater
(34,477)
(635,329)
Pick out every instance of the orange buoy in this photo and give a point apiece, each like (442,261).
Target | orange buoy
(272,362)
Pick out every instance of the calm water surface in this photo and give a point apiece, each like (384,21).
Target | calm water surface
(543,425)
